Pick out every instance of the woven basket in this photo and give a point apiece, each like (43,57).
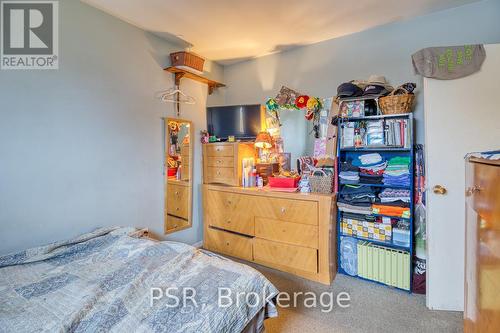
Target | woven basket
(396,104)
(322,183)
(188,59)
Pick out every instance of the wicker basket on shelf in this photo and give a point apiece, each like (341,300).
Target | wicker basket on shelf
(187,59)
(397,104)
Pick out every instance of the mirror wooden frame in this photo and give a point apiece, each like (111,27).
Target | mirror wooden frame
(178,216)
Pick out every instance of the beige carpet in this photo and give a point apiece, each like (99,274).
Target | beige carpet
(374,308)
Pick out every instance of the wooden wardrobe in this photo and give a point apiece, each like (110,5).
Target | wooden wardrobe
(482,246)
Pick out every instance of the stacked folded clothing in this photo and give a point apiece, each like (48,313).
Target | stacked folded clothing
(349,177)
(355,195)
(368,159)
(349,173)
(359,217)
(397,172)
(395,197)
(395,211)
(364,209)
(356,199)
(371,168)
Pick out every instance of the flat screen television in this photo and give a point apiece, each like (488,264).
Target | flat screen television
(241,121)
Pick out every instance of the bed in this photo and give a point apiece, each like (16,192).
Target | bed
(109,280)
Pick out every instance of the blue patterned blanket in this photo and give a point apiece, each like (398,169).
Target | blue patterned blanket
(102,281)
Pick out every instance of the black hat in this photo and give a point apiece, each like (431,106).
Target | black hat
(375,90)
(349,89)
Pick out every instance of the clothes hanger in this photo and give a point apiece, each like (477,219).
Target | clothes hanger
(175,95)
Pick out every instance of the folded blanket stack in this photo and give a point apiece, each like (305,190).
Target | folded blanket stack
(397,172)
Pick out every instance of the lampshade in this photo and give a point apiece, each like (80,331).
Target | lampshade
(263,140)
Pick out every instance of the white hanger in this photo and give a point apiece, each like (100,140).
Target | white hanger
(176,96)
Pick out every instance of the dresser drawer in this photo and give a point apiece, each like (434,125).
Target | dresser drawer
(288,210)
(228,243)
(174,223)
(177,200)
(285,257)
(225,162)
(285,232)
(221,175)
(229,211)
(220,150)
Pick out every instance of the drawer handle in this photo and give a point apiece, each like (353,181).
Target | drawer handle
(227,243)
(471,190)
(228,221)
(175,225)
(219,161)
(283,210)
(177,208)
(229,202)
(177,193)
(218,173)
(217,149)
(284,230)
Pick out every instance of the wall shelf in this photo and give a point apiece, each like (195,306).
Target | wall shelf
(182,73)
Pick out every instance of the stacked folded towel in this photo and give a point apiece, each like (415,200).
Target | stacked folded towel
(397,172)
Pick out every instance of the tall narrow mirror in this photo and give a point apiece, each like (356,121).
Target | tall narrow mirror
(178,174)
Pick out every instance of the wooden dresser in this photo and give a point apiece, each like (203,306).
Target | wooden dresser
(222,161)
(482,246)
(292,232)
(177,203)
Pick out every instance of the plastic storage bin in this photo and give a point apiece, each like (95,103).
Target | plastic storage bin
(349,255)
(401,237)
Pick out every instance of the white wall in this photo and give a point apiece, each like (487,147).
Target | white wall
(81,147)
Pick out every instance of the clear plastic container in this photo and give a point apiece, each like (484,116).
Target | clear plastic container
(349,255)
(401,237)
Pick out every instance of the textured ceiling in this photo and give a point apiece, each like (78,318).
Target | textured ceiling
(228,31)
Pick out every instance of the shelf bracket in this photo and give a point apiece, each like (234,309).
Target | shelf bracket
(178,77)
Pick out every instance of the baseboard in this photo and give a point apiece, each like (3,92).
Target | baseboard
(198,245)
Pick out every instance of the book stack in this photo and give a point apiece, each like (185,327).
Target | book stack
(396,133)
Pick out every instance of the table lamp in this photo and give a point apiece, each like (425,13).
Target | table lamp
(263,140)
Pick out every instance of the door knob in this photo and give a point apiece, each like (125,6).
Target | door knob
(439,189)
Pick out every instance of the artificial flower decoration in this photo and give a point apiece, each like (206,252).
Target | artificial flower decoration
(313,103)
(272,105)
(301,101)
